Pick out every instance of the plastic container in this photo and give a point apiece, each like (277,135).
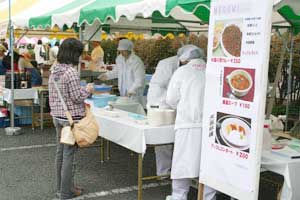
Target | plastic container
(102,88)
(21,111)
(102,100)
(5,122)
(123,100)
(148,78)
(136,116)
(83,83)
(267,137)
(161,117)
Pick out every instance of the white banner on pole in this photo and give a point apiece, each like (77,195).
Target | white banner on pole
(3,29)
(236,74)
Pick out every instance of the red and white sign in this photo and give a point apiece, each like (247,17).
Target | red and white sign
(235,92)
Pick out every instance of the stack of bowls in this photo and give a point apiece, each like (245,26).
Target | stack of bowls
(100,89)
(101,100)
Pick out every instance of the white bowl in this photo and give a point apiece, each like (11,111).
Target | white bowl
(155,117)
(235,138)
(160,117)
(235,91)
(170,116)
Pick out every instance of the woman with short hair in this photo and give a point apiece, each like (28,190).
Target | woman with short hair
(67,79)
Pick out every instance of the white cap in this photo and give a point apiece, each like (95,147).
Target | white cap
(125,44)
(183,48)
(189,52)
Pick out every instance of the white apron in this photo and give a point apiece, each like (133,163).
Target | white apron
(187,153)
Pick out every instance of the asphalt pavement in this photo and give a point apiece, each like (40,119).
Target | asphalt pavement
(27,170)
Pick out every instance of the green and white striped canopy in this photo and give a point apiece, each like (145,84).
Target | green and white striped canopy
(290,10)
(89,11)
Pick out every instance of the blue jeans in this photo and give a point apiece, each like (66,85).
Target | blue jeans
(65,167)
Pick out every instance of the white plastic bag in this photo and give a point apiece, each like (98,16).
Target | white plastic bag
(276,123)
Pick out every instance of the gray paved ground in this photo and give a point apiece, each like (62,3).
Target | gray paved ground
(29,174)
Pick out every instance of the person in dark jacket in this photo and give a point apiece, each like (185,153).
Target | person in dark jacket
(2,55)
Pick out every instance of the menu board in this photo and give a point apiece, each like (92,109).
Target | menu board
(235,93)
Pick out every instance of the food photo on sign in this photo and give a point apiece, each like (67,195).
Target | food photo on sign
(227,40)
(233,131)
(239,83)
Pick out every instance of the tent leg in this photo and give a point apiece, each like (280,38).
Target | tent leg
(81,39)
(11,47)
(12,130)
(289,93)
(200,191)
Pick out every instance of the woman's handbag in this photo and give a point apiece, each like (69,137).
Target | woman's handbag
(85,132)
(66,136)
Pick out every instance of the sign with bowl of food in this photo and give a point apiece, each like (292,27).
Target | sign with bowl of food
(236,133)
(240,82)
(231,41)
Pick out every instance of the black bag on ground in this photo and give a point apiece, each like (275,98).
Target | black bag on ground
(270,186)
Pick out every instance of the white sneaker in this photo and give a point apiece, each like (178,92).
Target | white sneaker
(169,197)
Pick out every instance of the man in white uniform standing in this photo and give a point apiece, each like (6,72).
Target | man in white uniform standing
(156,97)
(186,94)
(53,53)
(40,53)
(129,70)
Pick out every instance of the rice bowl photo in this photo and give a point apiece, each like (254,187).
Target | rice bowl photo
(231,40)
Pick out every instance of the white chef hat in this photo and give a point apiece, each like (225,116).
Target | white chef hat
(189,52)
(125,44)
(183,48)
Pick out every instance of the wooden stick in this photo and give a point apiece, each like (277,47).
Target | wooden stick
(140,176)
(200,191)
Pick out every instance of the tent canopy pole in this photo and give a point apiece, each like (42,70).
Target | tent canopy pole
(289,71)
(11,46)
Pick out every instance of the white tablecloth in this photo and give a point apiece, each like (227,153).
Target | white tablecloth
(20,94)
(289,168)
(126,132)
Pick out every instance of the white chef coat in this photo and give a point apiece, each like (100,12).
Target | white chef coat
(130,74)
(53,54)
(156,96)
(38,58)
(158,85)
(186,93)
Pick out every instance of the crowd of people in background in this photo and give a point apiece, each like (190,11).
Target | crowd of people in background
(29,58)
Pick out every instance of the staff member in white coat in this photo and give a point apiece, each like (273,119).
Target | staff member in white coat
(129,70)
(186,94)
(40,53)
(97,57)
(157,97)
